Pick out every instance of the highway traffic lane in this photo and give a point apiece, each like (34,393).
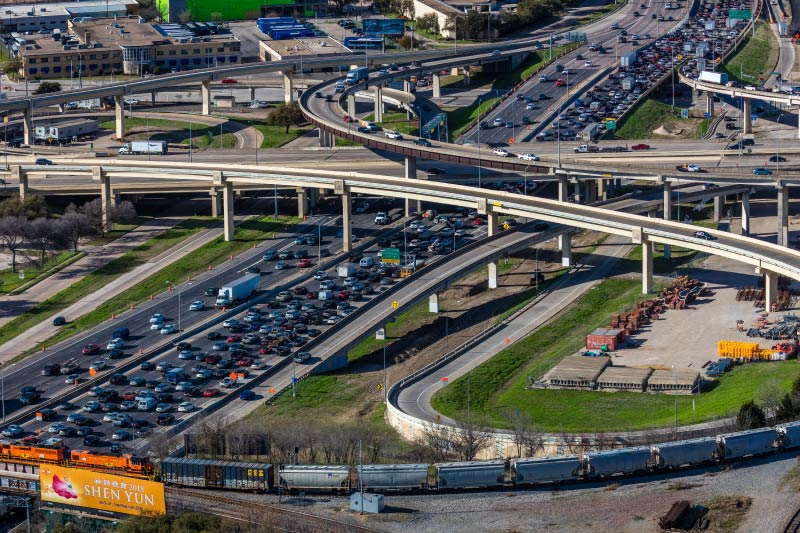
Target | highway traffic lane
(27,371)
(199,344)
(415,400)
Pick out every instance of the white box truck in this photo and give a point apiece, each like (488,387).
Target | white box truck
(714,77)
(144,147)
(346,270)
(237,290)
(627,60)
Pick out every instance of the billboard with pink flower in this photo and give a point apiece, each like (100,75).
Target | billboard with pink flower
(96,490)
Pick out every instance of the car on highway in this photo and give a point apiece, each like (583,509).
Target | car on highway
(640,146)
(422,142)
(185,407)
(97,366)
(137,381)
(168,329)
(157,317)
(204,373)
(90,349)
(92,406)
(281,265)
(210,393)
(500,152)
(229,80)
(165,419)
(121,434)
(197,305)
(559,83)
(163,408)
(91,440)
(528,157)
(227,383)
(395,135)
(761,171)
(72,378)
(247,395)
(777,159)
(59,321)
(13,431)
(302,357)
(704,235)
(304,263)
(43,161)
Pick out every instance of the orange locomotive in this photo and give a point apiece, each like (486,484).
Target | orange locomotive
(54,451)
(132,465)
(50,453)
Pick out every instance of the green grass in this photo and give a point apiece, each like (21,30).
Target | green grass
(174,131)
(395,331)
(461,119)
(397,121)
(212,253)
(277,136)
(116,232)
(537,352)
(602,12)
(755,58)
(10,281)
(649,115)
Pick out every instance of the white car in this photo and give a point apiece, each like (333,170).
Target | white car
(168,329)
(528,157)
(115,343)
(280,265)
(394,135)
(185,407)
(197,305)
(587,64)
(97,365)
(227,383)
(693,168)
(158,317)
(501,152)
(258,364)
(320,275)
(750,87)
(326,285)
(530,106)
(155,326)
(498,122)
(130,101)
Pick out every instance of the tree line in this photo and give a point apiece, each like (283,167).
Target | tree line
(29,226)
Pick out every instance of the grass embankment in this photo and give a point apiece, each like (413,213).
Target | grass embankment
(10,281)
(397,121)
(460,119)
(601,12)
(756,57)
(277,136)
(212,253)
(116,232)
(651,114)
(174,132)
(403,325)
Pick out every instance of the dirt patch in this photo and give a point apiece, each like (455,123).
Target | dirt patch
(726,513)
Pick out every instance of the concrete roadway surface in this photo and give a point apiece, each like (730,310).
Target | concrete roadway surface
(201,344)
(27,372)
(513,110)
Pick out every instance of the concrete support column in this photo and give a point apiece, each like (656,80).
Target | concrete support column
(313,199)
(667,214)
(216,202)
(437,86)
(302,203)
(433,303)
(783,216)
(710,104)
(351,105)
(378,91)
(227,210)
(205,96)
(119,113)
(565,244)
(347,225)
(325,139)
(492,275)
(152,98)
(252,93)
(491,223)
(647,267)
(105,194)
(747,118)
(591,192)
(411,174)
(770,289)
(467,78)
(601,189)
(718,205)
(577,192)
(563,192)
(288,87)
(746,214)
(22,177)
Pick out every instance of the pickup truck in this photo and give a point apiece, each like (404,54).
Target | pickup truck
(586,149)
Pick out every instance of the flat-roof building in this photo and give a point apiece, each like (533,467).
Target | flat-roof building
(678,380)
(576,371)
(623,378)
(21,18)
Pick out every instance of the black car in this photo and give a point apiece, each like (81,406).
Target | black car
(165,419)
(116,353)
(541,226)
(118,379)
(148,365)
(422,142)
(51,370)
(211,291)
(777,159)
(183,345)
(91,440)
(59,321)
(435,171)
(214,335)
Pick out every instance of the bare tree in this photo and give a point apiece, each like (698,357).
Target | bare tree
(12,236)
(74,226)
(470,439)
(769,396)
(121,212)
(42,233)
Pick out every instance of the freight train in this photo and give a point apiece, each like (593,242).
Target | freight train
(54,451)
(259,477)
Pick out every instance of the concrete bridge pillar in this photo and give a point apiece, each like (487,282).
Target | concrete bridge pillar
(719,203)
(747,118)
(22,177)
(577,192)
(783,216)
(491,223)
(565,244)
(119,114)
(710,104)
(591,191)
(667,214)
(746,214)
(347,225)
(770,289)
(647,267)
(378,91)
(433,303)
(227,211)
(563,192)
(205,96)
(252,93)
(106,199)
(153,98)
(437,86)
(602,189)
(216,202)
(302,202)
(411,174)
(288,87)
(326,140)
(492,275)
(351,105)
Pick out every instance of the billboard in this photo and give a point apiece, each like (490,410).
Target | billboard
(381,27)
(98,490)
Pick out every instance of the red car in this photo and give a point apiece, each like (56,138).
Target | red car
(210,393)
(233,338)
(128,395)
(477,221)
(245,361)
(343,295)
(641,146)
(347,119)
(90,349)
(229,80)
(304,263)
(212,359)
(559,82)
(265,350)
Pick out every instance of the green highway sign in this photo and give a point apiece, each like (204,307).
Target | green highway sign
(740,14)
(611,124)
(390,255)
(684,113)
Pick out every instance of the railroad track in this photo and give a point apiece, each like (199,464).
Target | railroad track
(179,499)
(794,524)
